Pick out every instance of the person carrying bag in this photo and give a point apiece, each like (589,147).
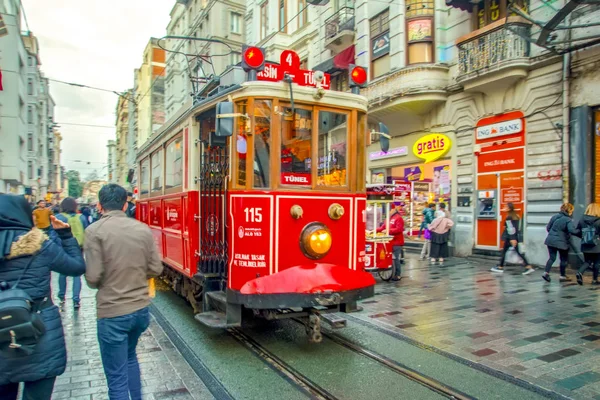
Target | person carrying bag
(512,237)
(32,345)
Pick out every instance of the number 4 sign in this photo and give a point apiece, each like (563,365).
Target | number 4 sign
(290,61)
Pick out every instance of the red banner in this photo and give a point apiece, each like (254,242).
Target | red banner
(302,77)
(507,160)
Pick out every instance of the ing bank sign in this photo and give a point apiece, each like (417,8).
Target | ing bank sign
(432,147)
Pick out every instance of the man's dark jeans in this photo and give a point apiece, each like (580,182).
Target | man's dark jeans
(118,338)
(397,258)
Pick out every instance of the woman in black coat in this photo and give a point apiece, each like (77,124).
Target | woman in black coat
(591,252)
(560,228)
(19,242)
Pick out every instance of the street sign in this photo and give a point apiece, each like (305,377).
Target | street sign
(290,64)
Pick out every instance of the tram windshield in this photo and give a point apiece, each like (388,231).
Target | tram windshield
(304,147)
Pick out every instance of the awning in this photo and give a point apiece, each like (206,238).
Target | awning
(465,5)
(340,62)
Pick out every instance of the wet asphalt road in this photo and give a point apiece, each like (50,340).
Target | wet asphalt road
(241,374)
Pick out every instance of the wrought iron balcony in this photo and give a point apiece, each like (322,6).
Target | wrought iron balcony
(339,29)
(497,48)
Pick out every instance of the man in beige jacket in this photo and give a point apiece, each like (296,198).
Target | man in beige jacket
(120,255)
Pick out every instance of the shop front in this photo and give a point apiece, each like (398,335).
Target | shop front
(420,168)
(500,176)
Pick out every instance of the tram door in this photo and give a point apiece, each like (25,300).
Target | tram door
(214,169)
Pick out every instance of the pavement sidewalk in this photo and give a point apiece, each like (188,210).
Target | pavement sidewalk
(165,373)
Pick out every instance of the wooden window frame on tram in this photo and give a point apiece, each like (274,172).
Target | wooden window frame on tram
(352,178)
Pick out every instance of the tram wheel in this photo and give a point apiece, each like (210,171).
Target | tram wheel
(386,275)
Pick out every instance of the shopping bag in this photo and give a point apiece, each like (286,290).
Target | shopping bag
(151,288)
(427,234)
(512,257)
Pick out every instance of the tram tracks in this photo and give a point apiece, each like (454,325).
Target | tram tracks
(315,391)
(401,369)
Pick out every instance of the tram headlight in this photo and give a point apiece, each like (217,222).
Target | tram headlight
(315,240)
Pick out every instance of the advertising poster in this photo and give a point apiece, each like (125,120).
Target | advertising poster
(412,174)
(381,45)
(419,29)
(441,180)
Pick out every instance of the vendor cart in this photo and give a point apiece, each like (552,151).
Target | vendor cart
(378,252)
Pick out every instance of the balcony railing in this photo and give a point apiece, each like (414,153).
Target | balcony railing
(343,20)
(493,49)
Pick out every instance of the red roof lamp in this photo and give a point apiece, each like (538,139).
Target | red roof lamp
(358,76)
(253,58)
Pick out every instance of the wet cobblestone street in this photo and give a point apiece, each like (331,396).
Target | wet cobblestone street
(546,334)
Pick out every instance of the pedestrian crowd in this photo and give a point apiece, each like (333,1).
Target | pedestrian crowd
(437,224)
(116,255)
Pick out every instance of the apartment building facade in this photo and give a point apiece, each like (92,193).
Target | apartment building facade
(151,90)
(26,111)
(186,73)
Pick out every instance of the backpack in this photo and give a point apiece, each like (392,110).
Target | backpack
(21,325)
(588,236)
(76,225)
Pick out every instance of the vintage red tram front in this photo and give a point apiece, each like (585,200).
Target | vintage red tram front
(297,250)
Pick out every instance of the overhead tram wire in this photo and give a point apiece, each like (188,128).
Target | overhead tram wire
(91,87)
(90,125)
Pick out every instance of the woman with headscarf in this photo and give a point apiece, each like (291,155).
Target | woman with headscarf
(440,235)
(28,254)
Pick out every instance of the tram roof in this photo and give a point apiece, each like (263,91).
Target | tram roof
(261,89)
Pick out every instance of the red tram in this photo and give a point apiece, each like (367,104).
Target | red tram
(256,197)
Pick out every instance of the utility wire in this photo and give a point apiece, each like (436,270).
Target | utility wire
(91,87)
(93,126)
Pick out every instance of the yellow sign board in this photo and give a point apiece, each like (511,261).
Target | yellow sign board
(432,147)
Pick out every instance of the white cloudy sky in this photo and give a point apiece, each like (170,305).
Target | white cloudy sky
(95,43)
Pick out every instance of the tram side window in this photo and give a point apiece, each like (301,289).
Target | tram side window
(333,138)
(296,137)
(262,143)
(241,144)
(174,164)
(145,176)
(157,171)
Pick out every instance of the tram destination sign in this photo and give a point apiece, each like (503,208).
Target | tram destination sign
(290,63)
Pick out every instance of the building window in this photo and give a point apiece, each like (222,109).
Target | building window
(282,16)
(419,8)
(30,61)
(30,170)
(420,40)
(340,82)
(29,115)
(30,87)
(419,28)
(174,164)
(236,22)
(30,142)
(302,13)
(380,44)
(264,19)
